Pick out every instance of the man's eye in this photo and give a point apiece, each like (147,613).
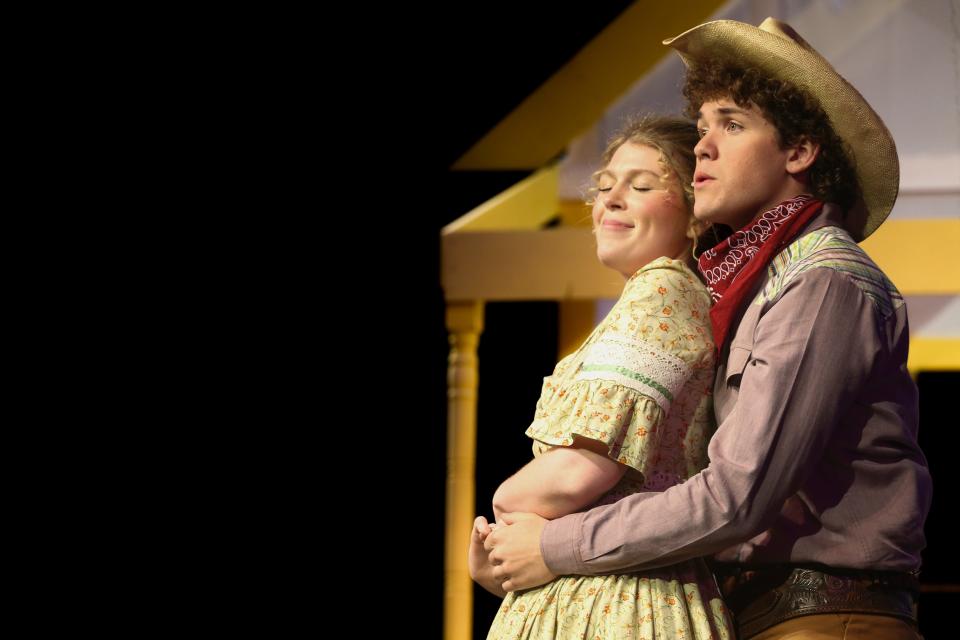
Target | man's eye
(733,126)
(701,132)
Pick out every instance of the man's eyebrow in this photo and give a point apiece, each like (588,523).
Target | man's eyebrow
(725,111)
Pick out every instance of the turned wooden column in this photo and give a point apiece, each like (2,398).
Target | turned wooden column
(464,324)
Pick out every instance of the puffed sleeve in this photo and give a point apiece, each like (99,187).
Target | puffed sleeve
(632,369)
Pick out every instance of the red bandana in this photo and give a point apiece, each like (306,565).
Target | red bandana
(732,267)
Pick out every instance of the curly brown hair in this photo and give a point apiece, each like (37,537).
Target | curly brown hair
(792,111)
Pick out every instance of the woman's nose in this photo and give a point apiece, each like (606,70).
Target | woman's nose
(613,199)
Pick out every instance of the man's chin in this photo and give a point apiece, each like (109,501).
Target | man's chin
(703,213)
(708,212)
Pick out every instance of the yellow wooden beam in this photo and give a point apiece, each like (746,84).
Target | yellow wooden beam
(561,263)
(552,264)
(919,256)
(526,205)
(574,213)
(577,95)
(577,317)
(934,354)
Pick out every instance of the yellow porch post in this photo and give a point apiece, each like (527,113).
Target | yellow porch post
(464,324)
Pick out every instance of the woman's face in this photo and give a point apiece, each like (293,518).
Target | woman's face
(639,214)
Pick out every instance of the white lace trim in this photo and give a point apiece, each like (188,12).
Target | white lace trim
(638,365)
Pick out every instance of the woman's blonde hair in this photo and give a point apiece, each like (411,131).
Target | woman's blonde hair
(674,138)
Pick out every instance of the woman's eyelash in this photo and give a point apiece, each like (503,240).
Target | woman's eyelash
(605,189)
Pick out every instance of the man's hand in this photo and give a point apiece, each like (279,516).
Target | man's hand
(515,552)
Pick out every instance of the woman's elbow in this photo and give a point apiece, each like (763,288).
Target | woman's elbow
(506,501)
(547,504)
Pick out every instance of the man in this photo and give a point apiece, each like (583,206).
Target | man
(816,493)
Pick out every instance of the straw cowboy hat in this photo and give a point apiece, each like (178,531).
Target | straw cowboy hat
(775,48)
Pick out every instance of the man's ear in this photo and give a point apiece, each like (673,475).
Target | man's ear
(802,156)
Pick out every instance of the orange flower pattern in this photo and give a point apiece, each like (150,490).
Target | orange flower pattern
(662,440)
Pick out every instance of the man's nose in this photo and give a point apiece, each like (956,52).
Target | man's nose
(705,148)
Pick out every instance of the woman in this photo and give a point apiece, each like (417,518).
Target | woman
(629,411)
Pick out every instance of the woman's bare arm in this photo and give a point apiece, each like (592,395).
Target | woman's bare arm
(561,481)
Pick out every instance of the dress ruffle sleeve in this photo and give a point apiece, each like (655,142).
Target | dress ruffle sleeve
(621,384)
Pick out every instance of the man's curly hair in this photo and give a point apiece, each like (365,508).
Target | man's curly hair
(792,111)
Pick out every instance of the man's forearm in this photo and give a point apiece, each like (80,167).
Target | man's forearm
(809,356)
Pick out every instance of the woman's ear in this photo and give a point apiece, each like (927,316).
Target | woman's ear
(802,155)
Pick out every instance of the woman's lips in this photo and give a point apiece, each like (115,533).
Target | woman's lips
(610,224)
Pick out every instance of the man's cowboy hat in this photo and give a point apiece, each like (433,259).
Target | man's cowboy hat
(775,48)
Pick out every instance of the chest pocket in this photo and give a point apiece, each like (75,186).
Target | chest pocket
(736,364)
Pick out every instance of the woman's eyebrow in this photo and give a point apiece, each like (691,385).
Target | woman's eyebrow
(632,172)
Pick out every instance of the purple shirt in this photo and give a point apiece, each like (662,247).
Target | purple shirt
(815,458)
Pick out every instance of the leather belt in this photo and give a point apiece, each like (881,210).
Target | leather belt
(763,596)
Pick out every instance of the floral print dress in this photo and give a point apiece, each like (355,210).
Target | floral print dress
(641,384)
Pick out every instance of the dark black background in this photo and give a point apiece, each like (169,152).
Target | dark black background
(442,82)
(447,86)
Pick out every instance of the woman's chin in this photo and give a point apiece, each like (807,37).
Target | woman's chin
(607,261)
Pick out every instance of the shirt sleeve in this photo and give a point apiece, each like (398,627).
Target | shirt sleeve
(813,348)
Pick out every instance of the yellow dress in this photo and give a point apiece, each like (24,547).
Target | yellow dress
(641,383)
